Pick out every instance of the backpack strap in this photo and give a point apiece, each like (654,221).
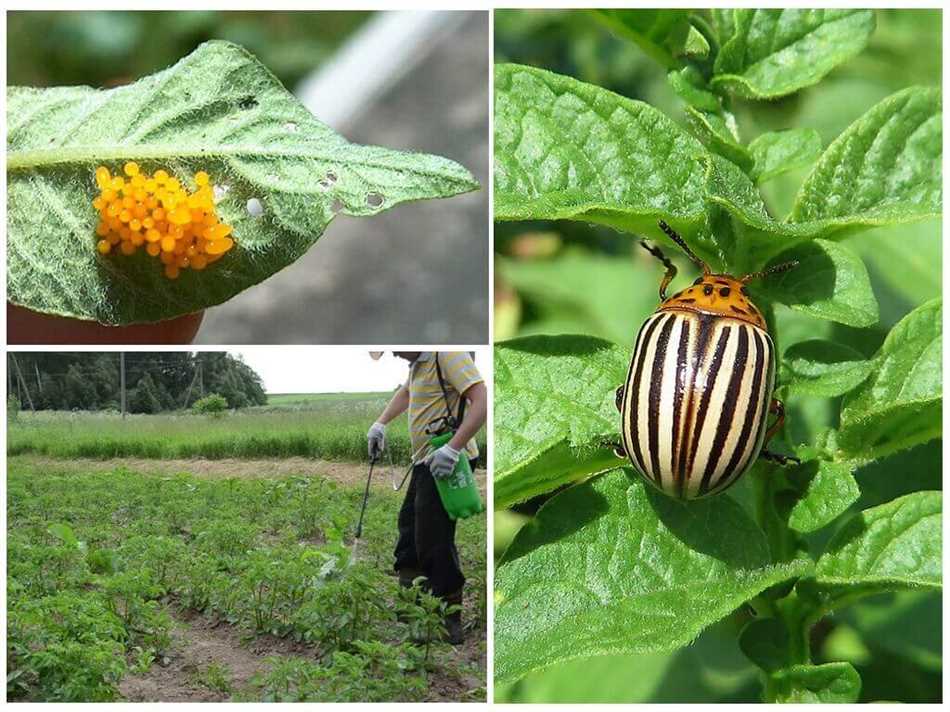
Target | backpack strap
(454,420)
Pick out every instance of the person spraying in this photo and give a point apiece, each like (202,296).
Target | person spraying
(447,403)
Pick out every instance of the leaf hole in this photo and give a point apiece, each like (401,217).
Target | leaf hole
(254,208)
(374,200)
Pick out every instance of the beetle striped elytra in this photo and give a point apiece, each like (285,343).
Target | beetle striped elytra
(698,393)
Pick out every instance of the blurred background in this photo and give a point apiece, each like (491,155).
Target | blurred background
(413,81)
(567,277)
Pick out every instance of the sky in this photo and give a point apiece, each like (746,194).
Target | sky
(325,369)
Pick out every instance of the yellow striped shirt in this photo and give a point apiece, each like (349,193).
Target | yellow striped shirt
(426,401)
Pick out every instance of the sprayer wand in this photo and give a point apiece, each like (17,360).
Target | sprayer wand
(369,478)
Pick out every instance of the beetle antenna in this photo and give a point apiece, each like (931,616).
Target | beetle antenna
(670,267)
(775,269)
(675,237)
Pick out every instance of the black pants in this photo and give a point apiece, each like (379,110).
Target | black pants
(427,536)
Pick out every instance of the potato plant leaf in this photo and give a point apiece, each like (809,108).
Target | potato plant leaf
(217,110)
(688,85)
(777,152)
(771,53)
(719,133)
(829,489)
(566,150)
(885,168)
(554,412)
(899,404)
(830,282)
(569,150)
(836,682)
(891,547)
(612,566)
(820,367)
(661,34)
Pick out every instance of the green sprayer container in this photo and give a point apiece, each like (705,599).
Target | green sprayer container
(458,491)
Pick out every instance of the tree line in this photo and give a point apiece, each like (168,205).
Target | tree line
(155,382)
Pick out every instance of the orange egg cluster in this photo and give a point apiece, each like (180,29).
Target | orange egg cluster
(157,212)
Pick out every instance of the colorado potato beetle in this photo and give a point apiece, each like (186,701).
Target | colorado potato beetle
(695,405)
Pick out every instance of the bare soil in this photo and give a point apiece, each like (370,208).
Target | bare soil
(345,473)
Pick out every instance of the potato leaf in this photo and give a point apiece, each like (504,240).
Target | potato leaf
(829,683)
(899,405)
(777,152)
(830,282)
(612,566)
(891,547)
(719,133)
(771,53)
(569,150)
(661,34)
(688,84)
(885,168)
(819,367)
(829,489)
(554,412)
(217,110)
(566,150)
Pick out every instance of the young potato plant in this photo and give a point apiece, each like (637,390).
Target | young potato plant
(217,124)
(610,566)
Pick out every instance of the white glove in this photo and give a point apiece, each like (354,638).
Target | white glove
(442,462)
(376,440)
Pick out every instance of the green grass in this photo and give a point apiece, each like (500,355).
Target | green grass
(99,562)
(304,399)
(321,426)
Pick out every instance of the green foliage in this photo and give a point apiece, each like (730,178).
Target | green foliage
(649,561)
(831,682)
(830,282)
(899,404)
(91,381)
(767,54)
(821,367)
(13,408)
(212,404)
(778,152)
(251,135)
(332,428)
(97,47)
(607,569)
(100,564)
(538,424)
(215,677)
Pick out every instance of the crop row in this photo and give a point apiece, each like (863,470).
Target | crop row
(96,561)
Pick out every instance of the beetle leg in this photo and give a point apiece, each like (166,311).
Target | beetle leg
(779,459)
(670,267)
(618,398)
(778,408)
(621,452)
